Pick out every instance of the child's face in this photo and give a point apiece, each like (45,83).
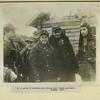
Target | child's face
(84,31)
(44,39)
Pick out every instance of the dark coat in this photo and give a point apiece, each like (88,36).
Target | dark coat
(90,49)
(12,48)
(65,57)
(41,60)
(24,54)
(87,58)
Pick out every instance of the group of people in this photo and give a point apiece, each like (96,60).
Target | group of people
(48,58)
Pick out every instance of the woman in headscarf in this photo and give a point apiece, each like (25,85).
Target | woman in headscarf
(86,53)
(65,58)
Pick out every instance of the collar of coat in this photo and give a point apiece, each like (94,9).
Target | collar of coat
(40,45)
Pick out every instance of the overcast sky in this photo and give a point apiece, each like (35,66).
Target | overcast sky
(21,13)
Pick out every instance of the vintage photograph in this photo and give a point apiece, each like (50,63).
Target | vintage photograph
(48,42)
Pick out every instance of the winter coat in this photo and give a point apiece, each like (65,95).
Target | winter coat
(67,66)
(87,58)
(12,48)
(41,60)
(24,55)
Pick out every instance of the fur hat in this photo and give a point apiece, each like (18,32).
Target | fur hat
(44,32)
(56,29)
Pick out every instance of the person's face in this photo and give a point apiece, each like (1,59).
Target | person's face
(10,34)
(84,31)
(57,34)
(44,39)
(36,35)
